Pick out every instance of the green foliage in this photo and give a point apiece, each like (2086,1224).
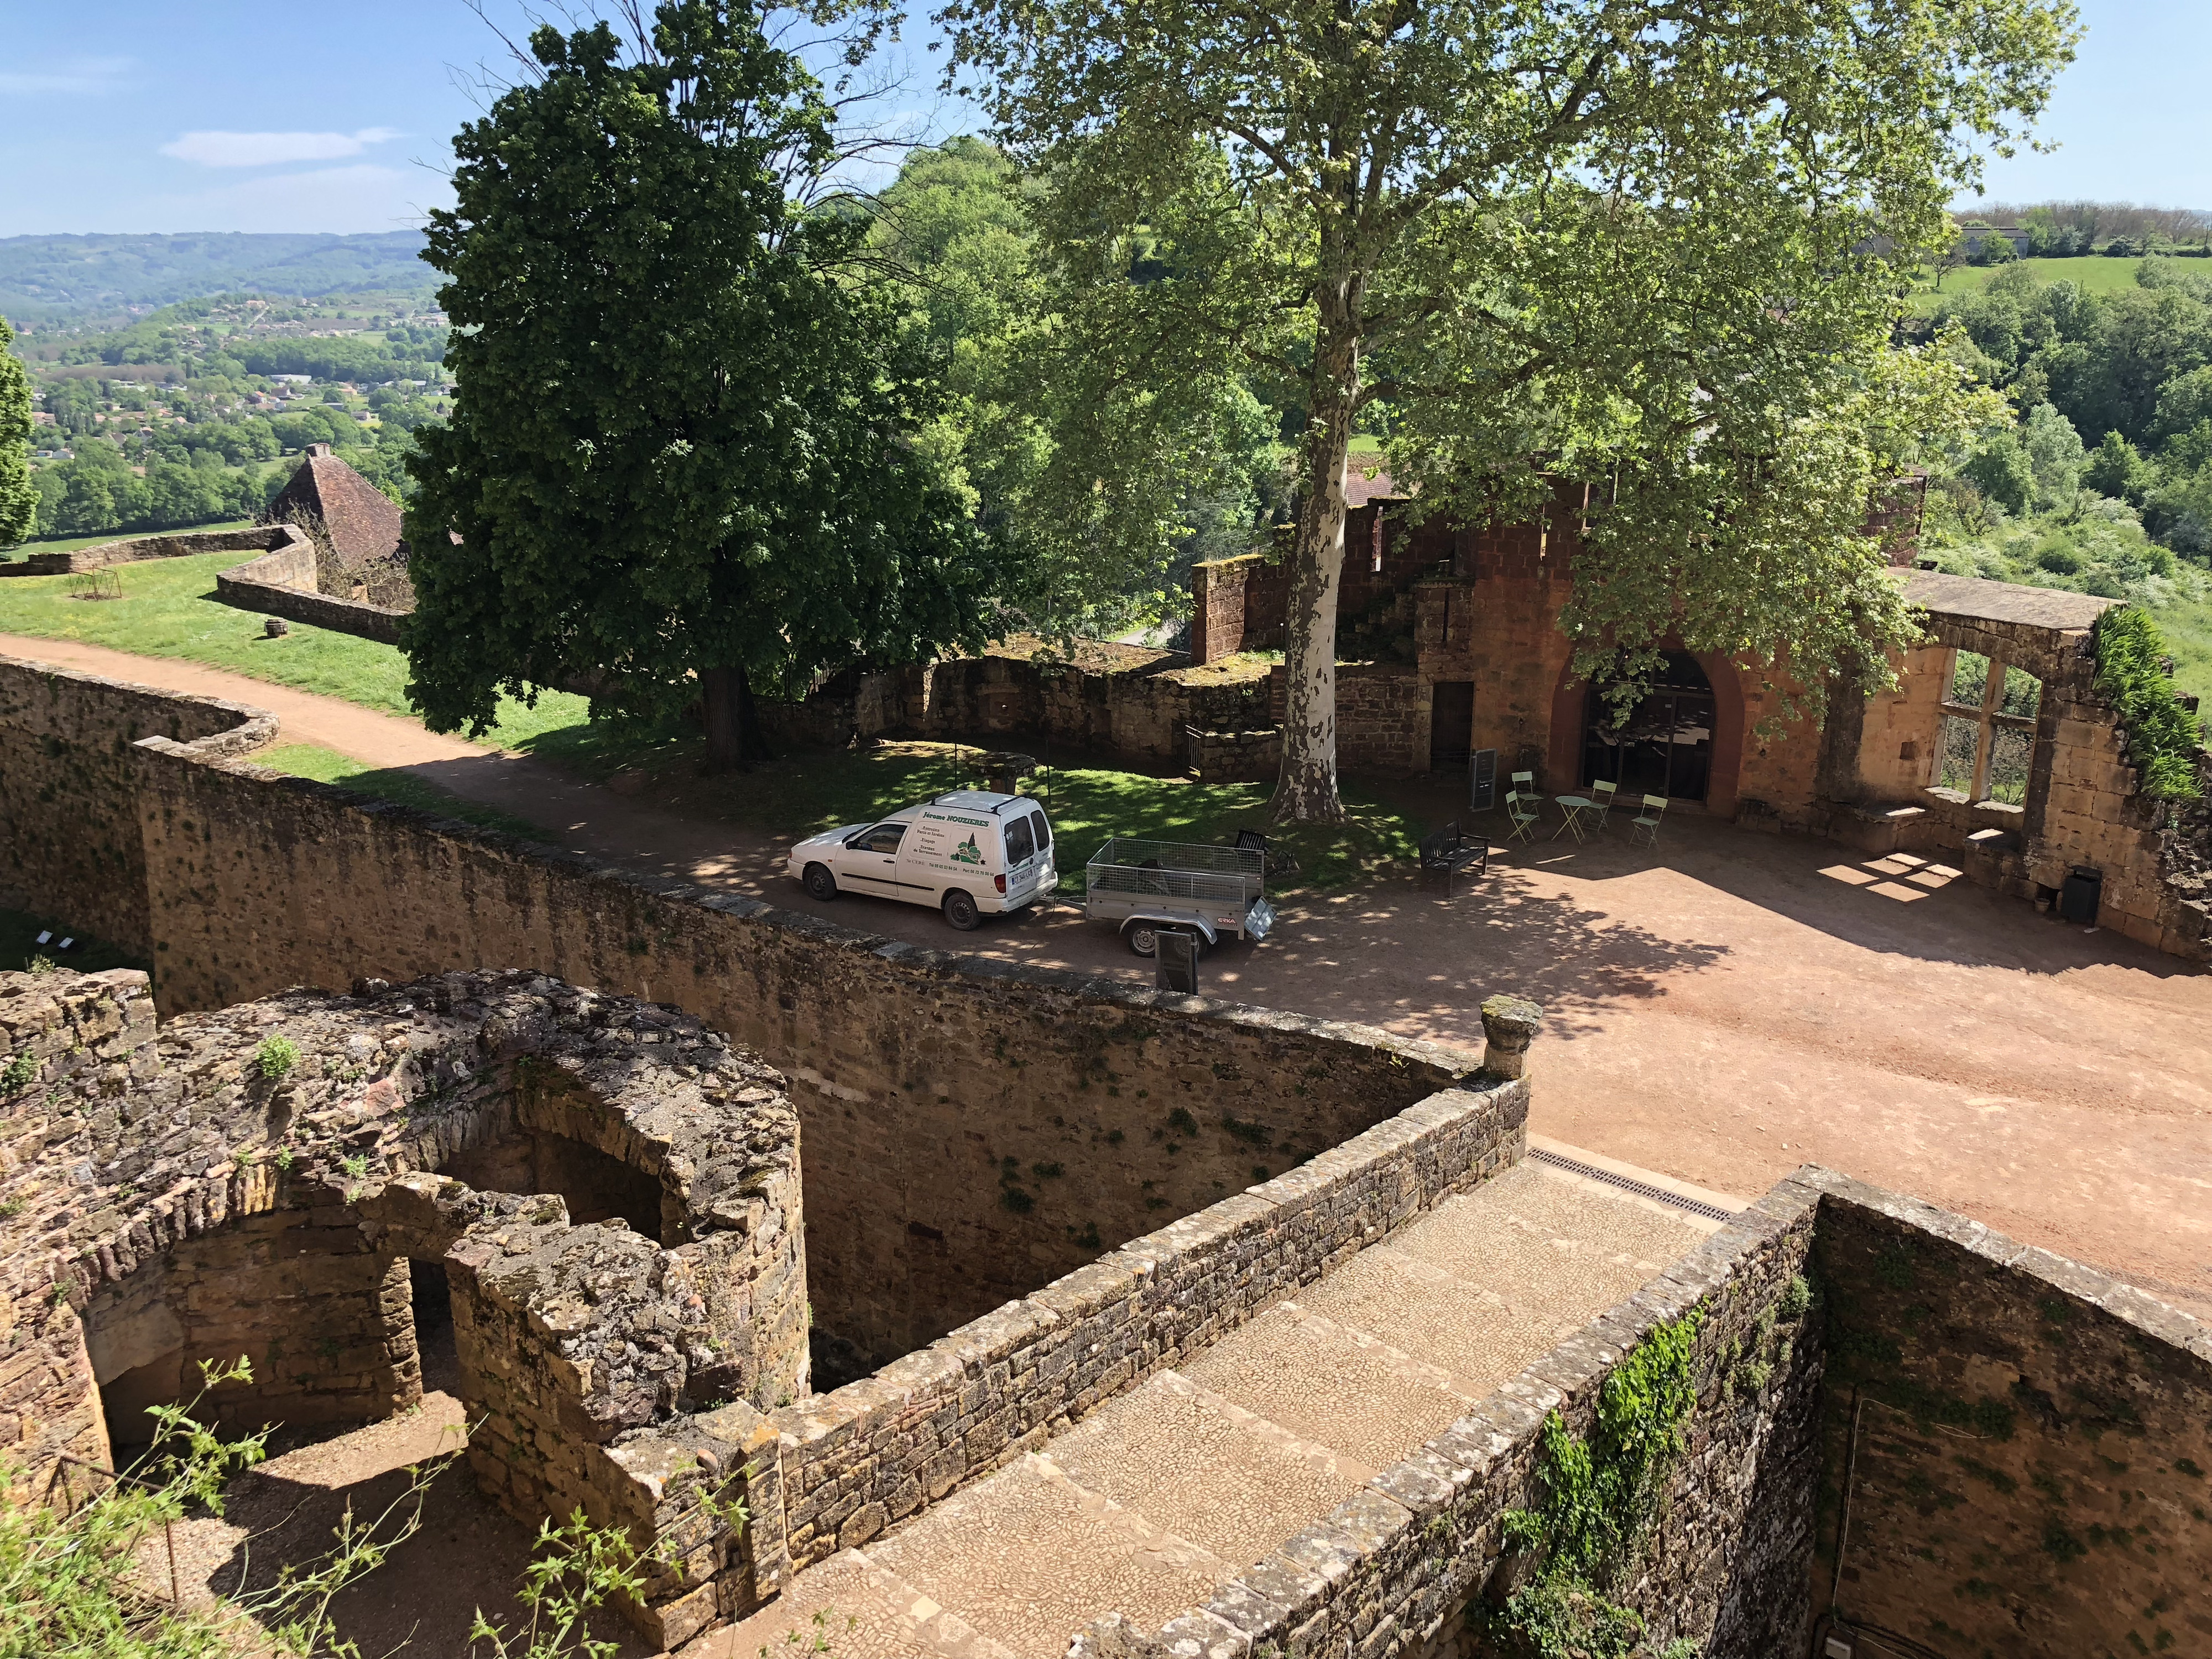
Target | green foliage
(2163,737)
(276,1056)
(16,1075)
(577,1569)
(1550,238)
(1600,1496)
(682,455)
(65,1572)
(19,501)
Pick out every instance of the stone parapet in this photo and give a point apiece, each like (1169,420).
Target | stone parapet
(282,583)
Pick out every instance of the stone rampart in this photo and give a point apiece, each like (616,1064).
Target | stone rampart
(2020,1447)
(832,1473)
(1395,1567)
(281,582)
(1234,756)
(69,845)
(255,537)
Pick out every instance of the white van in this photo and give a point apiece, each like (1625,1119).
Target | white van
(970,853)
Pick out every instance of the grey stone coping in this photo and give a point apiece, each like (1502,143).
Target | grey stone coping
(1971,599)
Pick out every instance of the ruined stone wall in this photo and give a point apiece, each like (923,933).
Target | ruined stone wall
(1395,1567)
(1254,756)
(69,837)
(147,547)
(281,582)
(1900,731)
(834,1472)
(2019,1448)
(974,1129)
(1382,716)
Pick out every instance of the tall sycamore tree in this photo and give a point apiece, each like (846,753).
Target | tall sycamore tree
(681,463)
(19,497)
(1629,243)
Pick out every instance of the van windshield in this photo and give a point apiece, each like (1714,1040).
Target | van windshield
(1020,845)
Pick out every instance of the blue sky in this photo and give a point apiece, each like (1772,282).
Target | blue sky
(139,115)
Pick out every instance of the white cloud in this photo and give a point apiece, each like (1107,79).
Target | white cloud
(76,75)
(261,149)
(344,200)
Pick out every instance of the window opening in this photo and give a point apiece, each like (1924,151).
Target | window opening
(1020,846)
(1988,729)
(1043,832)
(1664,746)
(885,837)
(431,1294)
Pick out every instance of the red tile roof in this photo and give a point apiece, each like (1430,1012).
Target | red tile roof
(363,521)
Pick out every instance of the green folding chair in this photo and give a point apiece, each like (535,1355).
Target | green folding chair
(1603,793)
(1523,821)
(1655,808)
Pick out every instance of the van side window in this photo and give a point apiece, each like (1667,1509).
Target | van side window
(1043,832)
(884,838)
(1020,844)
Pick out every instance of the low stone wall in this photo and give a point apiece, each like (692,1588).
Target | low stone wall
(1395,1568)
(69,845)
(1234,756)
(2018,1445)
(145,547)
(281,582)
(832,1472)
(1382,715)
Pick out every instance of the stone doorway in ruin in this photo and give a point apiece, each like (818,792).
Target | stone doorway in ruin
(1451,723)
(1663,746)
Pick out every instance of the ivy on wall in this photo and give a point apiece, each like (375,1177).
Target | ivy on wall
(1602,1496)
(2163,737)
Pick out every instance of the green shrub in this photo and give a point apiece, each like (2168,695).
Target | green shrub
(2163,737)
(16,1075)
(275,1057)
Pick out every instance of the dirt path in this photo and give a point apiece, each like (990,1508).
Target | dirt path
(1721,1010)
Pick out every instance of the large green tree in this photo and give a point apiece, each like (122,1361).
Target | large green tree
(18,499)
(1620,241)
(681,464)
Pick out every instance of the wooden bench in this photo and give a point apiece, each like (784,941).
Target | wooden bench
(1448,852)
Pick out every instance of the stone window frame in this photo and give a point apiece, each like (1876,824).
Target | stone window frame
(1989,719)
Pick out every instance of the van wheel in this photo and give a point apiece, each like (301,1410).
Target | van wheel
(960,910)
(819,882)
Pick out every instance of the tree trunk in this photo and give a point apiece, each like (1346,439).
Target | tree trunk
(735,742)
(1305,793)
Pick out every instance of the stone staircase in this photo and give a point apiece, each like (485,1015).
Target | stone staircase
(1169,1490)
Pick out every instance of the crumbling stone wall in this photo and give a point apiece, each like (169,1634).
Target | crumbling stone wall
(2018,1449)
(285,581)
(976,1128)
(1395,1567)
(129,551)
(182,1194)
(69,844)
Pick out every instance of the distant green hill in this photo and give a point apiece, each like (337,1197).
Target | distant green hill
(57,278)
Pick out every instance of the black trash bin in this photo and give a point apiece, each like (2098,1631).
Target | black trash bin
(2078,898)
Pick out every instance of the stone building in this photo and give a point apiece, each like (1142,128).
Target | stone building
(355,529)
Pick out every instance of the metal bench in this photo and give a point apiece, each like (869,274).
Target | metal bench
(1449,852)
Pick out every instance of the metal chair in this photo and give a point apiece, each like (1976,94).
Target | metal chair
(1604,794)
(1655,808)
(1522,820)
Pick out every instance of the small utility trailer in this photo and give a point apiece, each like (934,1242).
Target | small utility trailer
(1145,886)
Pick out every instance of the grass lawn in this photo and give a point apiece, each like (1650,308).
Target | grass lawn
(2186,627)
(304,760)
(2093,273)
(168,609)
(71,544)
(20,947)
(822,789)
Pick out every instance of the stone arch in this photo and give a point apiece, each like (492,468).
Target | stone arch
(1570,698)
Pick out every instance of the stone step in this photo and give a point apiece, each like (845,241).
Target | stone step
(1029,1557)
(1325,1382)
(1492,1281)
(853,1608)
(1205,1468)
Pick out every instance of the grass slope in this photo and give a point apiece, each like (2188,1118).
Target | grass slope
(168,609)
(2093,273)
(391,783)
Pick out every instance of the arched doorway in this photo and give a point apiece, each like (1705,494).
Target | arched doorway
(1665,744)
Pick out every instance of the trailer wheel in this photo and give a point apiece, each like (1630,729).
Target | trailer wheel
(960,910)
(819,882)
(1144,937)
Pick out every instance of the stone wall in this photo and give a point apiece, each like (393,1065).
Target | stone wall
(255,537)
(832,1473)
(2019,1448)
(1395,1567)
(1234,756)
(282,582)
(69,845)
(1382,715)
